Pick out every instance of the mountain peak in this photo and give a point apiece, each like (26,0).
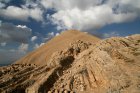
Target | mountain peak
(42,55)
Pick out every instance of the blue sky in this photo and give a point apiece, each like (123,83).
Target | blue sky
(27,24)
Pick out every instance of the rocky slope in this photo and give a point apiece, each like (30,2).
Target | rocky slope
(108,66)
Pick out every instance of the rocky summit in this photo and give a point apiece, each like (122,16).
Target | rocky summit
(81,65)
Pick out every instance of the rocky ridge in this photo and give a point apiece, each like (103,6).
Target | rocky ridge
(108,66)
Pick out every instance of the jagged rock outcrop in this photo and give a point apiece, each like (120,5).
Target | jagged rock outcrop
(108,66)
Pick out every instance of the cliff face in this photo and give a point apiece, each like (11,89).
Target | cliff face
(108,66)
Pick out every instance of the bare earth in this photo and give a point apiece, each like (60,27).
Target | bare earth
(76,62)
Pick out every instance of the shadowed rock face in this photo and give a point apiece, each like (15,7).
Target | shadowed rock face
(108,66)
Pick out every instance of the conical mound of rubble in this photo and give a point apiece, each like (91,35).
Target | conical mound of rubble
(83,66)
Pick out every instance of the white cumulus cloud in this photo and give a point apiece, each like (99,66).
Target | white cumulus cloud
(3,44)
(22,26)
(2,5)
(111,34)
(91,14)
(23,47)
(75,14)
(34,38)
(22,13)
(37,45)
